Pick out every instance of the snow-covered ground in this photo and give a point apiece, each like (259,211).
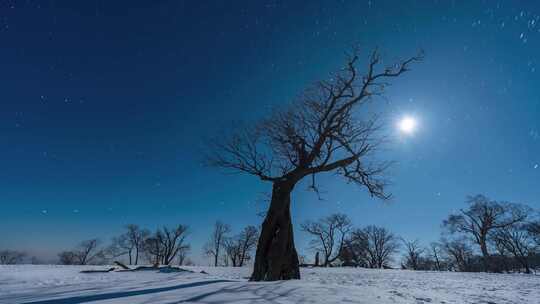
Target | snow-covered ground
(65,285)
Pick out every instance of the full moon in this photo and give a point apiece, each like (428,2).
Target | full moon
(407,125)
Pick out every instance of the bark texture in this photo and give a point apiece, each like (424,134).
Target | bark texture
(276,257)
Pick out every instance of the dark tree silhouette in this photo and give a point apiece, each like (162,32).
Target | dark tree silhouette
(172,241)
(153,249)
(460,253)
(413,254)
(217,241)
(239,248)
(435,253)
(132,241)
(87,252)
(183,255)
(356,247)
(483,217)
(165,244)
(375,244)
(516,240)
(322,132)
(329,234)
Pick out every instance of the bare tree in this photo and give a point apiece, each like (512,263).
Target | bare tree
(183,255)
(217,241)
(357,248)
(436,252)
(165,244)
(322,132)
(380,245)
(171,240)
(502,262)
(481,218)
(153,249)
(87,251)
(413,254)
(239,248)
(118,247)
(131,243)
(329,234)
(68,258)
(517,241)
(232,252)
(460,252)
(10,257)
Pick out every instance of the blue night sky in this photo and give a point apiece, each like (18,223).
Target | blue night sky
(105,107)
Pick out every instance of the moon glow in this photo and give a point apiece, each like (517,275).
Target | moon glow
(407,125)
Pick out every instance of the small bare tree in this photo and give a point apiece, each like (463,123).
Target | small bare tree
(183,255)
(483,217)
(380,245)
(118,247)
(460,252)
(436,254)
(329,235)
(517,241)
(232,252)
(171,241)
(357,247)
(502,261)
(214,246)
(239,248)
(153,249)
(322,132)
(413,254)
(130,243)
(86,252)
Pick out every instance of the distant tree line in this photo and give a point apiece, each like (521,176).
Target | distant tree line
(165,246)
(487,235)
(490,236)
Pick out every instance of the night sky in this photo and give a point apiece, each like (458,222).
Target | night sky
(105,107)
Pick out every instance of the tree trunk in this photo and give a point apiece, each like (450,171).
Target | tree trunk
(485,254)
(523,261)
(276,257)
(437,263)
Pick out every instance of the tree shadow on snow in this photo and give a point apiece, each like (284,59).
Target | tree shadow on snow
(244,293)
(115,295)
